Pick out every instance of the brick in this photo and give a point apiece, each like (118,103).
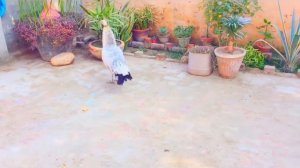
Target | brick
(157,46)
(269,69)
(161,57)
(136,44)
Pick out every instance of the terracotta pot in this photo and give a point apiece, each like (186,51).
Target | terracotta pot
(183,42)
(95,48)
(199,64)
(229,63)
(206,40)
(140,35)
(262,47)
(163,39)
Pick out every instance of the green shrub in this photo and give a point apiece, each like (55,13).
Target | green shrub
(144,17)
(254,58)
(184,32)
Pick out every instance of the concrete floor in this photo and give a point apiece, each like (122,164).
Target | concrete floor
(70,117)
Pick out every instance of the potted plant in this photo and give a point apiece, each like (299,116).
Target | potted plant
(184,34)
(290,43)
(48,32)
(230,58)
(207,40)
(200,61)
(163,35)
(121,21)
(216,10)
(268,36)
(143,18)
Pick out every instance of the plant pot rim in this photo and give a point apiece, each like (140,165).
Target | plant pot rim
(95,41)
(167,35)
(222,52)
(141,30)
(184,37)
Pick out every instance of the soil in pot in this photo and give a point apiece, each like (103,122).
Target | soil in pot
(140,35)
(200,63)
(95,48)
(183,42)
(229,63)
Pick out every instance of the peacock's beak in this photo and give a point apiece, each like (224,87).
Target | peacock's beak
(104,23)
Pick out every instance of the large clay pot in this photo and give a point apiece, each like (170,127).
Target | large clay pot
(140,35)
(47,50)
(95,48)
(183,42)
(199,63)
(229,63)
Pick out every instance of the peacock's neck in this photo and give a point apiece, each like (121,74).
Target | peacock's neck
(108,38)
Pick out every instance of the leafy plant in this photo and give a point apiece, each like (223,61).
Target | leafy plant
(120,20)
(58,31)
(163,31)
(254,58)
(184,32)
(144,17)
(290,44)
(217,10)
(265,30)
(233,29)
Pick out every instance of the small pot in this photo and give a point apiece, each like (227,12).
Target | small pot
(199,63)
(229,63)
(206,40)
(183,42)
(95,48)
(140,35)
(262,47)
(163,39)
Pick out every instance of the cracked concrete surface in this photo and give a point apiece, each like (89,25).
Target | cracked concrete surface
(70,117)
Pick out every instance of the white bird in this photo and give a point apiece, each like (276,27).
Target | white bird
(113,57)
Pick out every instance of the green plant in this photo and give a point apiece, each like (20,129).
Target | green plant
(184,32)
(265,30)
(120,20)
(144,17)
(30,10)
(163,31)
(290,44)
(233,29)
(254,58)
(217,10)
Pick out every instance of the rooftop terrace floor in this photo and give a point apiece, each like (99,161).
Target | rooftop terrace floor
(71,117)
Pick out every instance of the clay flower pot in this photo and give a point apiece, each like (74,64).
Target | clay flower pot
(229,63)
(262,47)
(184,42)
(95,48)
(163,39)
(206,40)
(200,63)
(140,35)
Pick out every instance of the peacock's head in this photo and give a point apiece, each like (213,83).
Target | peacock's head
(104,23)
